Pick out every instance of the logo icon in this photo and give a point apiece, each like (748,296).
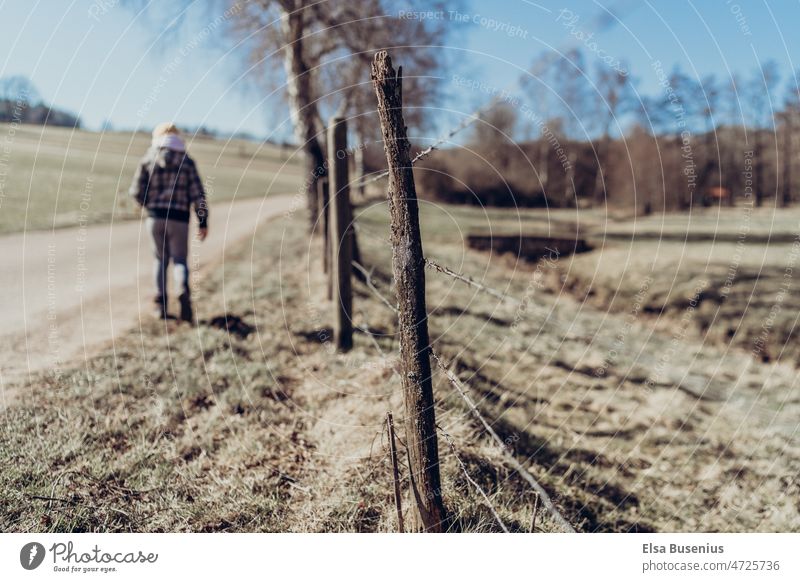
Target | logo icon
(31,555)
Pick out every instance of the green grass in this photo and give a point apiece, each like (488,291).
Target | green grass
(55,177)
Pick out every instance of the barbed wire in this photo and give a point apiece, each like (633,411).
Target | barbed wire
(603,20)
(371,286)
(472,481)
(525,474)
(547,314)
(471,282)
(465,123)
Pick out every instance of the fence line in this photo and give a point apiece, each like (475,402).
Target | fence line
(471,282)
(525,474)
(465,123)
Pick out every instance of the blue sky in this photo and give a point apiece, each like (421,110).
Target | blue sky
(103,60)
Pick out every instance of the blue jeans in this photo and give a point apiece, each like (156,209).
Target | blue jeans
(170,243)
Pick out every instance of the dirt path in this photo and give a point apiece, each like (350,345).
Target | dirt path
(69,291)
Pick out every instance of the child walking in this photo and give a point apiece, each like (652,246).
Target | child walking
(168,186)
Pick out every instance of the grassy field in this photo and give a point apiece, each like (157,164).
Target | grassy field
(250,422)
(738,266)
(56,177)
(249,425)
(635,423)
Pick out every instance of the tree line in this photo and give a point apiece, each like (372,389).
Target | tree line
(581,135)
(20,102)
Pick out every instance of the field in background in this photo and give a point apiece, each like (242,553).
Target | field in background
(634,418)
(725,277)
(631,419)
(54,177)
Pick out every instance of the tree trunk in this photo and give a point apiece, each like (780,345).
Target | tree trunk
(600,196)
(758,167)
(544,161)
(570,196)
(408,266)
(302,109)
(787,161)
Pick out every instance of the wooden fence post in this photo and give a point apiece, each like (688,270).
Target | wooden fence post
(324,211)
(341,238)
(398,504)
(408,266)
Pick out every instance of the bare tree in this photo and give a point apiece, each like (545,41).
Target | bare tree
(326,48)
(789,117)
(569,81)
(683,101)
(323,50)
(760,92)
(494,132)
(615,100)
(731,116)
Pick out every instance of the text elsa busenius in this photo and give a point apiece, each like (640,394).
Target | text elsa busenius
(650,548)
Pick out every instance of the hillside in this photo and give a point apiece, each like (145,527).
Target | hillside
(55,177)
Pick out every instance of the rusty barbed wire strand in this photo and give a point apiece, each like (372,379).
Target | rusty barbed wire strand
(524,473)
(460,389)
(472,481)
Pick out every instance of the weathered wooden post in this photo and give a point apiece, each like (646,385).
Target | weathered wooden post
(408,266)
(324,211)
(341,238)
(398,503)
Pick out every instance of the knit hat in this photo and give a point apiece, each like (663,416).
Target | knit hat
(166,135)
(165,128)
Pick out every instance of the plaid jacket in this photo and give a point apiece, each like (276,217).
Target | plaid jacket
(167,184)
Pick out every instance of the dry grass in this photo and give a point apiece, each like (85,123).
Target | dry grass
(203,429)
